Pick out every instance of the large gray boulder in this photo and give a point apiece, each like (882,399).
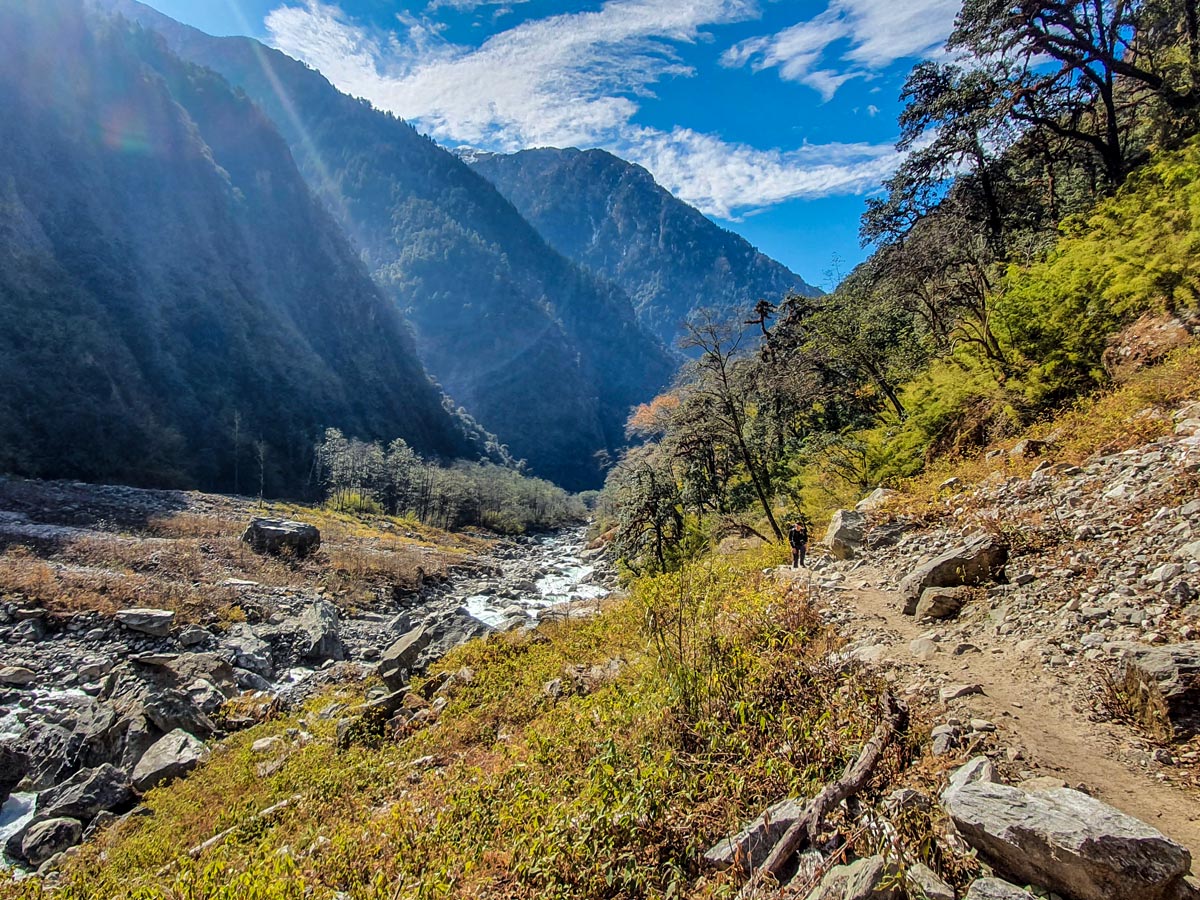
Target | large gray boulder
(978,559)
(749,847)
(319,635)
(872,878)
(171,756)
(14,765)
(276,536)
(48,837)
(248,651)
(86,793)
(154,622)
(844,536)
(1162,684)
(995,889)
(400,658)
(1067,842)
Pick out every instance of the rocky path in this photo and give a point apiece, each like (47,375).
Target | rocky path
(1037,720)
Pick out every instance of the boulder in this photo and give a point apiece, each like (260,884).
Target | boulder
(923,884)
(1067,842)
(319,636)
(874,500)
(17,676)
(154,622)
(401,657)
(170,757)
(44,839)
(750,846)
(995,889)
(978,769)
(979,558)
(941,602)
(1162,685)
(276,536)
(86,793)
(1029,448)
(872,878)
(248,651)
(14,765)
(845,533)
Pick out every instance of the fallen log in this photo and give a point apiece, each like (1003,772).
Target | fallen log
(806,828)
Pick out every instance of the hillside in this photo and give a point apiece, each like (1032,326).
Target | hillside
(170,290)
(611,217)
(499,316)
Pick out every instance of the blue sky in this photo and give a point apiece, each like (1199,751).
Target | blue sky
(775,117)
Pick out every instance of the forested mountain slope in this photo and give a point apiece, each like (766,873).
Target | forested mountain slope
(549,357)
(611,217)
(171,293)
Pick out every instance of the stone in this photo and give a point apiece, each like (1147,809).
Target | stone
(402,656)
(86,793)
(750,846)
(875,500)
(154,622)
(941,602)
(14,765)
(923,648)
(977,559)
(45,838)
(1028,448)
(1067,842)
(1161,684)
(17,676)
(276,536)
(171,756)
(923,884)
(845,533)
(955,691)
(275,742)
(863,879)
(995,889)
(977,769)
(194,636)
(249,651)
(320,638)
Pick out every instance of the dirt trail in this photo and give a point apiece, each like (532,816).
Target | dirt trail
(1032,710)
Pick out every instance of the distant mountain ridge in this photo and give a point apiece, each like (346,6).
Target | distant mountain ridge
(171,293)
(548,356)
(612,218)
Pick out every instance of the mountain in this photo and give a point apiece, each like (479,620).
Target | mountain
(612,218)
(550,357)
(171,293)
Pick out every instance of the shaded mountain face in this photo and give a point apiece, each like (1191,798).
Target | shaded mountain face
(172,295)
(549,357)
(612,218)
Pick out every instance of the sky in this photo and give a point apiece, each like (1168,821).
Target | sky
(776,118)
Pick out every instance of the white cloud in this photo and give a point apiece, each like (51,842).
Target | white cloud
(573,80)
(871,34)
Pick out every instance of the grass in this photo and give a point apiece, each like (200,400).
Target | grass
(686,708)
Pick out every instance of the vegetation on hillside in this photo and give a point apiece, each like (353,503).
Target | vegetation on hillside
(1050,199)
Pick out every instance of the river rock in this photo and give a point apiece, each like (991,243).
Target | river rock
(14,764)
(402,656)
(48,837)
(863,879)
(845,533)
(171,756)
(319,636)
(941,602)
(277,536)
(154,622)
(1067,842)
(17,676)
(1161,684)
(977,559)
(995,889)
(86,793)
(750,846)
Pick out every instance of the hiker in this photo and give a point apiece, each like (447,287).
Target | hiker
(798,538)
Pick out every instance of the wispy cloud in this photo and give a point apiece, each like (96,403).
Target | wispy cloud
(572,80)
(849,39)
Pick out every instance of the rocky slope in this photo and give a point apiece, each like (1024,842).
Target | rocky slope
(499,315)
(611,217)
(171,291)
